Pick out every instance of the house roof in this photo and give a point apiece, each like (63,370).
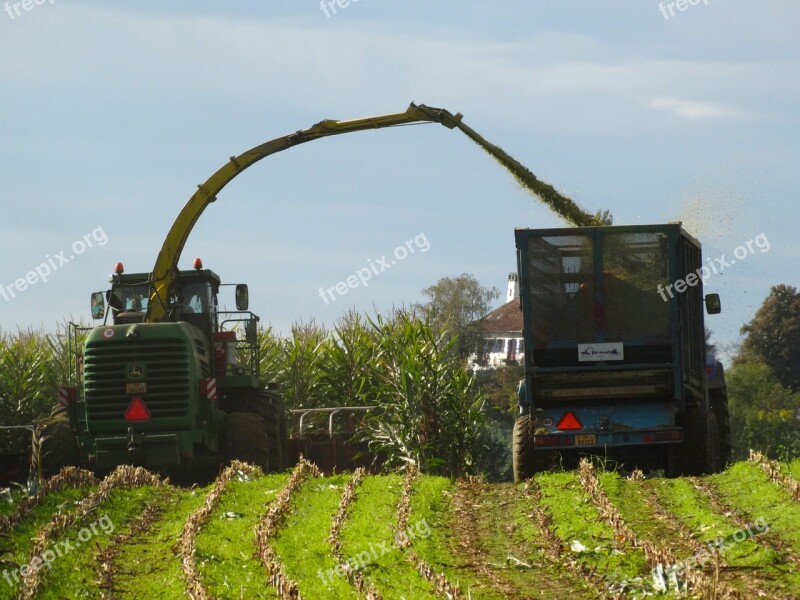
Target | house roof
(506,318)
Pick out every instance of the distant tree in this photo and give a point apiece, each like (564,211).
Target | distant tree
(456,307)
(764,414)
(773,336)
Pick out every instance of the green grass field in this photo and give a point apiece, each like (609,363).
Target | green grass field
(734,534)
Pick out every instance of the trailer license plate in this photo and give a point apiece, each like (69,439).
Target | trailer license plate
(136,388)
(585,439)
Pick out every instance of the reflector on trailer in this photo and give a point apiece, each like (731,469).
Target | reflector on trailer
(137,411)
(569,422)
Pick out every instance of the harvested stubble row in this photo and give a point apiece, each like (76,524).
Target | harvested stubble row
(655,554)
(124,477)
(68,477)
(773,469)
(354,576)
(188,539)
(554,546)
(269,524)
(105,557)
(439,581)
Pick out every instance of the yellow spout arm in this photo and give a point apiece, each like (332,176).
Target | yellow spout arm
(166,267)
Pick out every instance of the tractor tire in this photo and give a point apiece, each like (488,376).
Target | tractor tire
(269,406)
(522,452)
(247,439)
(59,446)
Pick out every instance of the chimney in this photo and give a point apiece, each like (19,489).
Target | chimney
(513,287)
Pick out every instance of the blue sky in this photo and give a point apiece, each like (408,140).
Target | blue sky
(112,112)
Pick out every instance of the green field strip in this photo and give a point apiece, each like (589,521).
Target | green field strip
(513,547)
(72,575)
(302,542)
(8,504)
(226,547)
(749,490)
(793,469)
(743,560)
(17,544)
(577,522)
(148,566)
(368,539)
(431,510)
(640,516)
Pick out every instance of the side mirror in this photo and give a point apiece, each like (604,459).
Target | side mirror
(98,305)
(713,304)
(242,297)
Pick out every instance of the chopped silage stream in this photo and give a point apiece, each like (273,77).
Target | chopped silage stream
(557,202)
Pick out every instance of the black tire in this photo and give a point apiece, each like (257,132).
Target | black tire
(59,446)
(246,439)
(700,453)
(719,405)
(522,453)
(269,406)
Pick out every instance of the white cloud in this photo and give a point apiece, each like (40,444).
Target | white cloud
(695,110)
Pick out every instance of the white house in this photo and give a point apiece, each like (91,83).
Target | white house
(503,331)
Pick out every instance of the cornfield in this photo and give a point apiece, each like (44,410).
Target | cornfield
(427,411)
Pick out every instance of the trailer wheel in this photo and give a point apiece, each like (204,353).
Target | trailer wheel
(246,439)
(701,452)
(719,404)
(522,454)
(59,446)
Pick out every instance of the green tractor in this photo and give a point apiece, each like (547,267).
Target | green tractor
(183,392)
(169,384)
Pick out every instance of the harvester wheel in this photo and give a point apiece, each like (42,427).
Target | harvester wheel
(522,455)
(59,447)
(247,440)
(273,424)
(270,407)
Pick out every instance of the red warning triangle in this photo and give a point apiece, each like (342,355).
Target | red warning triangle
(569,421)
(137,411)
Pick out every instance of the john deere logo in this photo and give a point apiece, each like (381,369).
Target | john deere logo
(135,372)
